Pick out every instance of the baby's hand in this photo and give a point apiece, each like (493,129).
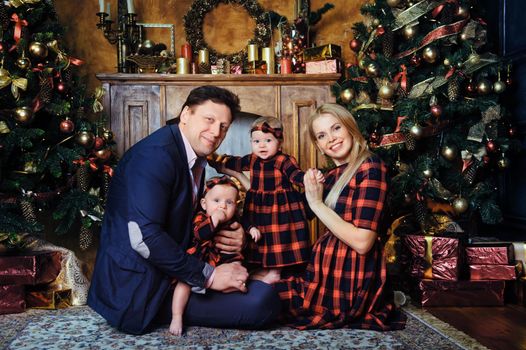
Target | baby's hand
(218,217)
(255,234)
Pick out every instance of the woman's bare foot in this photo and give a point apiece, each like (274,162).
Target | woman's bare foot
(176,326)
(269,276)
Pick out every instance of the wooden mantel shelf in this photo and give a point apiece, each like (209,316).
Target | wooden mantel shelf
(223,79)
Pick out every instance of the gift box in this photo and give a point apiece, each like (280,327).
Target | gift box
(433,257)
(320,53)
(492,272)
(48,299)
(30,268)
(12,299)
(323,67)
(460,293)
(490,254)
(519,252)
(516,291)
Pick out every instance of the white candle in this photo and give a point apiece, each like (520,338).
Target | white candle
(131,9)
(101,6)
(108,9)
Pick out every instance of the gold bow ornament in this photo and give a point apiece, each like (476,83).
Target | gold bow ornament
(16,83)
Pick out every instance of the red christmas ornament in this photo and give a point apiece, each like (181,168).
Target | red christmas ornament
(470,87)
(436,111)
(355,45)
(99,142)
(486,159)
(61,87)
(415,60)
(67,126)
(491,146)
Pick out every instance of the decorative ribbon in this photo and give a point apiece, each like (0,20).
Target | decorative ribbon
(396,137)
(436,34)
(108,170)
(62,57)
(97,104)
(4,129)
(91,160)
(16,83)
(19,23)
(402,76)
(373,106)
(440,7)
(428,272)
(365,45)
(414,12)
(17,3)
(277,132)
(219,180)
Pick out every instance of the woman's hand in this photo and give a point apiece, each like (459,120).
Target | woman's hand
(313,187)
(231,240)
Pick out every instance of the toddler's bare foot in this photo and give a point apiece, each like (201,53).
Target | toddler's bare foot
(269,276)
(176,326)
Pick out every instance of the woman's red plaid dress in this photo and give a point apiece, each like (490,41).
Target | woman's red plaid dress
(274,207)
(342,288)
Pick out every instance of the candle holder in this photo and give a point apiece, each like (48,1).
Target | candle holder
(126,36)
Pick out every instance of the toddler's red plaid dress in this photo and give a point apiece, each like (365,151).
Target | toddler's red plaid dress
(274,207)
(342,288)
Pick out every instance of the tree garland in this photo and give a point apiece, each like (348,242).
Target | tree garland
(193,24)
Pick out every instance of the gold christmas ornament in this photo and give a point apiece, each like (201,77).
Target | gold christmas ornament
(30,167)
(361,64)
(372,69)
(4,73)
(447,62)
(103,154)
(85,139)
(474,58)
(107,135)
(460,205)
(410,31)
(484,86)
(416,131)
(38,50)
(503,162)
(462,11)
(499,87)
(393,3)
(430,54)
(24,115)
(363,98)
(428,173)
(23,62)
(376,22)
(347,95)
(449,152)
(386,91)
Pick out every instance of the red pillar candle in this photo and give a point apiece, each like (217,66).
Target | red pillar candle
(286,66)
(186,51)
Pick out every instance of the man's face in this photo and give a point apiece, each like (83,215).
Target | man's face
(205,126)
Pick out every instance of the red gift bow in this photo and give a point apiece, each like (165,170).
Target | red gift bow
(402,76)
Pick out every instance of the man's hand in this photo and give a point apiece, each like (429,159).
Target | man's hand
(231,240)
(230,277)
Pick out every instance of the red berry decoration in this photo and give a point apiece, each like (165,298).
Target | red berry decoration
(436,111)
(61,87)
(99,142)
(415,60)
(355,45)
(67,126)
(491,146)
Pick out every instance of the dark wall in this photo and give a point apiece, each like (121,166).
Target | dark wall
(507,33)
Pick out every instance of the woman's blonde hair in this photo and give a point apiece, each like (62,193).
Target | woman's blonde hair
(359,150)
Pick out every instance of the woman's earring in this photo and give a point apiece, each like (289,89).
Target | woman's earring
(322,152)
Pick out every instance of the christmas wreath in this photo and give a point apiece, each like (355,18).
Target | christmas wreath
(193,24)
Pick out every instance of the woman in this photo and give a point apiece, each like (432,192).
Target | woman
(344,285)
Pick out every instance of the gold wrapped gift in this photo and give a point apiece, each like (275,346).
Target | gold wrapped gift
(320,53)
(48,299)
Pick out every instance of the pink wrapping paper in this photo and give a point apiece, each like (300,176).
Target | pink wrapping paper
(461,293)
(492,272)
(490,255)
(323,67)
(30,268)
(440,263)
(12,299)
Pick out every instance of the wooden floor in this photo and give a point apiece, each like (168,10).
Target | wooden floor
(494,327)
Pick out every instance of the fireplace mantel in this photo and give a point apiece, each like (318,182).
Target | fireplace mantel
(138,104)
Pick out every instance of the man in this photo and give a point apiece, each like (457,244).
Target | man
(148,226)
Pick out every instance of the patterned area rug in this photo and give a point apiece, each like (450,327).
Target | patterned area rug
(82,328)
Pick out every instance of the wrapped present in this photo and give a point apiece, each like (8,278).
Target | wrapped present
(516,291)
(519,251)
(30,268)
(461,293)
(323,67)
(492,272)
(433,257)
(12,299)
(236,69)
(490,254)
(48,299)
(320,53)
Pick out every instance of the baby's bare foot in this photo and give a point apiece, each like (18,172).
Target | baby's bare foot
(176,326)
(269,276)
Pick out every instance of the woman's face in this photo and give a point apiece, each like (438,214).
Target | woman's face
(332,138)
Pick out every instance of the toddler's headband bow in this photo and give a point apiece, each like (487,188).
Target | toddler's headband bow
(277,132)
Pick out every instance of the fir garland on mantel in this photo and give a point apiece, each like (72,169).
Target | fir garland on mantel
(193,24)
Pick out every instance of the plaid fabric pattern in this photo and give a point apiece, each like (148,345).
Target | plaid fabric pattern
(276,209)
(342,288)
(203,244)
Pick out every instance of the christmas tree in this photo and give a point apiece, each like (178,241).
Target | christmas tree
(53,158)
(427,95)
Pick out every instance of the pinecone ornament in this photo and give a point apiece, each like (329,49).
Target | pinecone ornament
(85,238)
(453,89)
(106,178)
(410,142)
(388,43)
(470,173)
(4,17)
(83,178)
(28,211)
(67,75)
(46,90)
(421,213)
(204,68)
